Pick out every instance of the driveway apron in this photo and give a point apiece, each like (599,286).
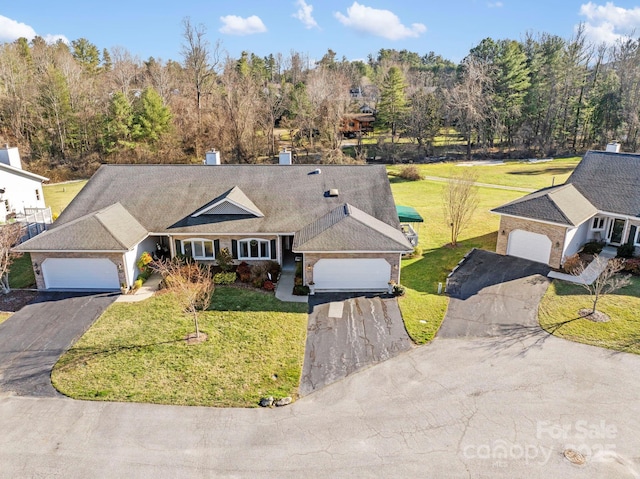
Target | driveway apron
(346,333)
(32,340)
(493,295)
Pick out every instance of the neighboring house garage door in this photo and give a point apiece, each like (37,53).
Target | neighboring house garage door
(80,273)
(527,245)
(352,274)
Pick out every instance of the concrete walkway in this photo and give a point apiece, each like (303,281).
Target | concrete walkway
(147,290)
(284,289)
(591,272)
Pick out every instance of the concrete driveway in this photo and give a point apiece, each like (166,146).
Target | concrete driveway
(493,295)
(347,332)
(32,340)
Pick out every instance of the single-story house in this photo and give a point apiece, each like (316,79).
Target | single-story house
(339,221)
(20,190)
(600,201)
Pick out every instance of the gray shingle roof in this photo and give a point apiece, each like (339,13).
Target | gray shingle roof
(110,229)
(347,228)
(610,181)
(163,198)
(238,203)
(560,204)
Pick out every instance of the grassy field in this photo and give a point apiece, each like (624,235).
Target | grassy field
(558,314)
(59,195)
(135,352)
(422,308)
(510,173)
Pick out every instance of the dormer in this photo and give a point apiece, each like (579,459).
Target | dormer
(233,202)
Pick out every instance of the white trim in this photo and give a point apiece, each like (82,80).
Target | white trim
(539,221)
(74,250)
(201,240)
(252,234)
(227,200)
(259,240)
(355,251)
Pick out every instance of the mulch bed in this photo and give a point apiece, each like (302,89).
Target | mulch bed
(596,317)
(16,300)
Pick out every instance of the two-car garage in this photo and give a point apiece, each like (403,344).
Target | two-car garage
(80,273)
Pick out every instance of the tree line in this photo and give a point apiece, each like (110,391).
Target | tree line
(72,107)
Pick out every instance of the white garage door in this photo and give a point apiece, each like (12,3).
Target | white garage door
(80,273)
(527,245)
(352,274)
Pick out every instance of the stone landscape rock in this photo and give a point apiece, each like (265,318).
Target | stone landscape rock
(266,402)
(283,401)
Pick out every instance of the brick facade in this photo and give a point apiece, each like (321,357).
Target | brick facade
(312,258)
(555,233)
(38,258)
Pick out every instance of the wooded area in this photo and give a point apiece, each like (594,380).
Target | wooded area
(72,107)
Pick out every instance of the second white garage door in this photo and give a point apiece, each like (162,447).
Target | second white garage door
(366,274)
(80,273)
(527,245)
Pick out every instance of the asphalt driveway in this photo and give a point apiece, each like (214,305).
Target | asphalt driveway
(493,295)
(32,340)
(348,332)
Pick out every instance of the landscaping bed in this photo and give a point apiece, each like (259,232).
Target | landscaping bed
(136,352)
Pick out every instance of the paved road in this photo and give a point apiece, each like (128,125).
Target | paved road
(493,295)
(349,332)
(32,340)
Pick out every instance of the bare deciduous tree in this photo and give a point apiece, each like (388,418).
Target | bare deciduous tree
(608,281)
(460,202)
(10,235)
(191,282)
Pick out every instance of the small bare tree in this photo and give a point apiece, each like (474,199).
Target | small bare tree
(460,202)
(608,281)
(10,235)
(192,283)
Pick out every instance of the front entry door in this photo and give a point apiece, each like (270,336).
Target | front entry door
(617,229)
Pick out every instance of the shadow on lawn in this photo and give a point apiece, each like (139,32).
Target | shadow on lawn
(559,170)
(434,266)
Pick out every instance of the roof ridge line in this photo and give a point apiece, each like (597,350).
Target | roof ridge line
(97,213)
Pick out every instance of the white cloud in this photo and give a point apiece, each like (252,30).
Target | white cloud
(382,23)
(235,25)
(495,4)
(11,30)
(305,14)
(608,23)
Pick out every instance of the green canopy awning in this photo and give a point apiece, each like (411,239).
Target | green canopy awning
(407,214)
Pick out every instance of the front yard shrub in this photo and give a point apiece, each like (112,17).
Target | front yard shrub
(268,285)
(300,290)
(244,272)
(626,250)
(137,284)
(572,264)
(257,282)
(410,172)
(225,278)
(259,273)
(144,261)
(632,265)
(225,260)
(399,290)
(592,247)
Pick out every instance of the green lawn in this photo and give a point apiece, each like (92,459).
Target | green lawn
(422,308)
(558,314)
(135,352)
(21,272)
(59,195)
(511,173)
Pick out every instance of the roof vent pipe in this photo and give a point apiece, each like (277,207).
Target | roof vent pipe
(613,147)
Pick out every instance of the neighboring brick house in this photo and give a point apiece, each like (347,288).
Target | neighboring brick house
(600,201)
(340,222)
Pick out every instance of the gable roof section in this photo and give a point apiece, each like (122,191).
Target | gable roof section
(563,205)
(347,228)
(21,172)
(110,229)
(610,181)
(163,197)
(232,202)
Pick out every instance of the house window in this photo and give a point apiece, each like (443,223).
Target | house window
(37,195)
(598,223)
(198,248)
(254,249)
(6,206)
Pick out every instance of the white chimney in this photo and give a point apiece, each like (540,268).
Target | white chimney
(212,157)
(613,147)
(10,156)
(285,157)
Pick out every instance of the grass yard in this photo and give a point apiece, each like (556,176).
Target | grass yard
(59,195)
(511,173)
(422,308)
(21,272)
(135,352)
(558,314)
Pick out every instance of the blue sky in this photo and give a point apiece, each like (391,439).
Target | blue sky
(351,28)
